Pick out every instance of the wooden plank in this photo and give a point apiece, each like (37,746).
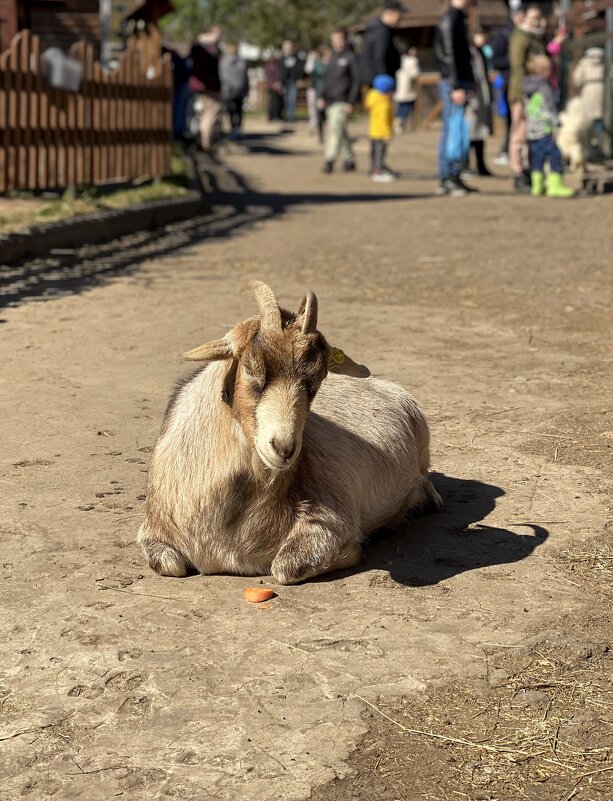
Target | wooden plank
(154,123)
(78,52)
(17,112)
(140,112)
(11,127)
(88,131)
(120,117)
(19,127)
(43,135)
(28,115)
(96,125)
(167,114)
(4,125)
(36,152)
(132,170)
(104,125)
(147,108)
(62,138)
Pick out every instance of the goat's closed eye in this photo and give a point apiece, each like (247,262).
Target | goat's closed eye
(257,380)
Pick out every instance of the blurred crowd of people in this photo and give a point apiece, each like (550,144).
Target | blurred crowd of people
(208,82)
(527,91)
(383,77)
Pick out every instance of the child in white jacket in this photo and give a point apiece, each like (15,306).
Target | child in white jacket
(406,89)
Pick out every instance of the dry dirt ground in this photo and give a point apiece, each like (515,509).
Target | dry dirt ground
(468,657)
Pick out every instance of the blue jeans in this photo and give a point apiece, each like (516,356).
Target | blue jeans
(598,129)
(180,100)
(404,109)
(291,94)
(445,168)
(542,150)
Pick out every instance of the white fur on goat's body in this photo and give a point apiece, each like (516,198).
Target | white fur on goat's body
(363,464)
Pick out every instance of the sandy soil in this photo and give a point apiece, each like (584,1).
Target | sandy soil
(495,311)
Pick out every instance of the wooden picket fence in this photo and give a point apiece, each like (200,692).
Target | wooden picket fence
(116,127)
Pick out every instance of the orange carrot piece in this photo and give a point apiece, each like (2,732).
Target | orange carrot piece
(255,595)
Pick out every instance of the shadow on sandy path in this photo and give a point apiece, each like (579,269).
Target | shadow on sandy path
(235,206)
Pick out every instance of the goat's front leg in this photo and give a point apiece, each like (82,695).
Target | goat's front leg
(318,543)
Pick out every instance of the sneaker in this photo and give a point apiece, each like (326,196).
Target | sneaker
(391,172)
(453,187)
(521,185)
(328,167)
(349,166)
(461,183)
(502,159)
(382,177)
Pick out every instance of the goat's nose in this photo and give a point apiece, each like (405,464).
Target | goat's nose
(284,450)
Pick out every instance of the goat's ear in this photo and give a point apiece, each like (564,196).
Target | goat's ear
(340,363)
(210,352)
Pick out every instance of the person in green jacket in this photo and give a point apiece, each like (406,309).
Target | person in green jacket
(527,40)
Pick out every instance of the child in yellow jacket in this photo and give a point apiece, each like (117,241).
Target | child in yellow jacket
(380,106)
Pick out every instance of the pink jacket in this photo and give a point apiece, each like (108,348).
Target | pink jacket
(554,49)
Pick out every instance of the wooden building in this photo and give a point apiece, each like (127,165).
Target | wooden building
(10,21)
(588,17)
(58,23)
(417,25)
(150,11)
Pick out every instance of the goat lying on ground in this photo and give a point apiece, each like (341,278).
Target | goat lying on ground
(266,464)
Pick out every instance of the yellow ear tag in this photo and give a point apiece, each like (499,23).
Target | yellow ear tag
(338,357)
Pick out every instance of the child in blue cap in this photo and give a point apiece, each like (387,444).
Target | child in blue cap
(380,106)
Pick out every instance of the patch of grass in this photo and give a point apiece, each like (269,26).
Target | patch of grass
(143,194)
(31,212)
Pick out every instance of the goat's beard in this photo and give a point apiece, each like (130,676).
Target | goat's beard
(262,472)
(265,475)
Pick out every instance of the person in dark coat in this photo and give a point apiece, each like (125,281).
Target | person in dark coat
(180,95)
(291,73)
(379,53)
(204,81)
(234,87)
(452,49)
(479,109)
(274,89)
(502,65)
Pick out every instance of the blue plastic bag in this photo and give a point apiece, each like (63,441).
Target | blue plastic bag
(502,108)
(458,136)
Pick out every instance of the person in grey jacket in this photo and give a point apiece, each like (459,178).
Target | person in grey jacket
(340,93)
(234,87)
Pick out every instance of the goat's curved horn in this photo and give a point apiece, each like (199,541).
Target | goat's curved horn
(309,314)
(270,313)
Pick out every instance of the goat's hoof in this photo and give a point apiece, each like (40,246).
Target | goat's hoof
(167,561)
(282,578)
(283,572)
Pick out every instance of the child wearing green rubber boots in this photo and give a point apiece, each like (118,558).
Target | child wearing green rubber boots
(542,121)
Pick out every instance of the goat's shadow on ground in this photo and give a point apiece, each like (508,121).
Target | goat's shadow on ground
(435,547)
